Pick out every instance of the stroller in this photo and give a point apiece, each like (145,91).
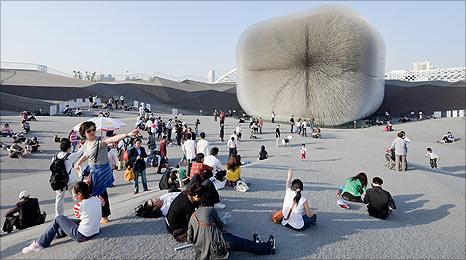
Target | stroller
(390,159)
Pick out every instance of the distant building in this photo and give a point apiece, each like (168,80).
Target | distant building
(425,71)
(211,76)
(109,77)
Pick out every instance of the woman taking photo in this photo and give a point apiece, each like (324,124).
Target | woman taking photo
(96,154)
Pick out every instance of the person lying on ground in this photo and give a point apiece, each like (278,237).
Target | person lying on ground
(210,240)
(263,154)
(80,230)
(180,210)
(159,207)
(379,201)
(26,213)
(354,188)
(297,214)
(448,138)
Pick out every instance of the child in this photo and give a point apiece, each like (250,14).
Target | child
(303,152)
(433,158)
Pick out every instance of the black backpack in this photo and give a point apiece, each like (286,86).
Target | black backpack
(59,177)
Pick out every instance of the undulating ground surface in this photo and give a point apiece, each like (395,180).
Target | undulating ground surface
(429,221)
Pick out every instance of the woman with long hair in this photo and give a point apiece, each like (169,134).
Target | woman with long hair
(96,153)
(233,171)
(297,214)
(354,188)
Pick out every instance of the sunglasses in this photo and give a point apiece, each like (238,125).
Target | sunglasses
(90,130)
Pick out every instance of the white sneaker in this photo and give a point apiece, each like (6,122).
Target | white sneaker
(34,247)
(219,206)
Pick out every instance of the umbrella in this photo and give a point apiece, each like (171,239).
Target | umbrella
(103,123)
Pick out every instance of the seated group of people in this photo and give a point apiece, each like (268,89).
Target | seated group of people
(379,202)
(16,150)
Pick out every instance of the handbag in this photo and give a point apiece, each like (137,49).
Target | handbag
(277,216)
(241,186)
(100,177)
(130,175)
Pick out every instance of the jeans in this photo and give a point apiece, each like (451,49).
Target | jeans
(235,243)
(169,135)
(232,151)
(304,132)
(74,144)
(60,227)
(143,178)
(308,221)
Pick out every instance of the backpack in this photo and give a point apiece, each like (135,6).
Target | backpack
(59,177)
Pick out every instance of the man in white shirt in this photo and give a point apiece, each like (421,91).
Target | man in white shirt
(65,147)
(189,149)
(213,162)
(238,132)
(203,145)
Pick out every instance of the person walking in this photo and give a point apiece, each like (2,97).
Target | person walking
(277,134)
(261,124)
(202,145)
(232,146)
(136,158)
(99,170)
(291,123)
(273,117)
(189,150)
(401,148)
(222,132)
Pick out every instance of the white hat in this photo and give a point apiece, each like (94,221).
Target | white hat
(24,194)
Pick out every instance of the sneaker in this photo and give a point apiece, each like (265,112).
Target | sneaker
(271,242)
(256,238)
(104,221)
(219,206)
(34,247)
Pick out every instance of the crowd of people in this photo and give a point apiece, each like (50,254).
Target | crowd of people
(85,163)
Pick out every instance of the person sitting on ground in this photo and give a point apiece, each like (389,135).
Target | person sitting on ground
(25,126)
(77,112)
(205,178)
(316,132)
(29,214)
(379,201)
(448,138)
(297,214)
(17,151)
(354,188)
(181,209)
(6,131)
(197,166)
(233,171)
(217,167)
(210,240)
(170,181)
(32,145)
(262,154)
(79,230)
(67,111)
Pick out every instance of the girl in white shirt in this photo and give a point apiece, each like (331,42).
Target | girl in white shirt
(78,230)
(297,214)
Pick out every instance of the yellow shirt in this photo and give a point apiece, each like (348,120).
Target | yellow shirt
(233,175)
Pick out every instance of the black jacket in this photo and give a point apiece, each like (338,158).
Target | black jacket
(29,212)
(138,165)
(378,201)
